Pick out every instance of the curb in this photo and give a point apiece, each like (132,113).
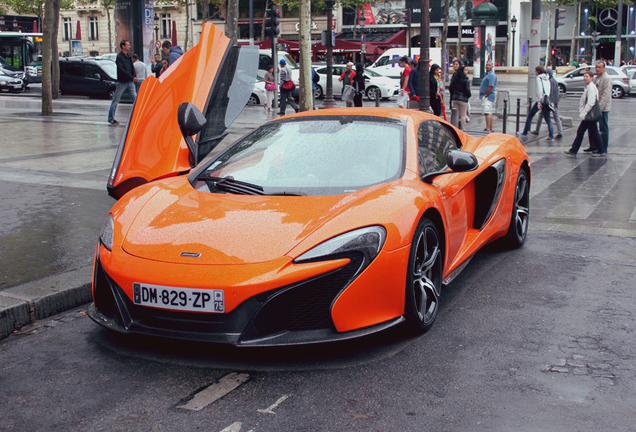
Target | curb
(24,304)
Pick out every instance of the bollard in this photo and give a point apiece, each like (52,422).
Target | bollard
(518,114)
(454,118)
(505,115)
(377,98)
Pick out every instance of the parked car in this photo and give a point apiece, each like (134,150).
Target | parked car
(259,95)
(86,78)
(632,80)
(9,70)
(573,81)
(319,226)
(34,71)
(374,82)
(109,56)
(11,83)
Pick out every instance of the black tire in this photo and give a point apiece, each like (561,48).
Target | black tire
(253,100)
(518,229)
(562,89)
(424,278)
(617,92)
(371,91)
(318,92)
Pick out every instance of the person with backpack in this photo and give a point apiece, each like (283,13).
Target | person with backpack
(315,79)
(359,85)
(554,100)
(542,104)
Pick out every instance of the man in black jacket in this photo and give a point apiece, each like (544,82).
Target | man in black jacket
(125,79)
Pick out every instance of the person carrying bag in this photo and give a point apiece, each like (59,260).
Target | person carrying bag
(286,87)
(589,108)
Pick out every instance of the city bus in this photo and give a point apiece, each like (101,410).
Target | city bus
(20,49)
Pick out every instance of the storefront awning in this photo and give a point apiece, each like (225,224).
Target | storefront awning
(382,38)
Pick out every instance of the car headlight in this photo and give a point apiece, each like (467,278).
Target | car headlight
(3,83)
(108,230)
(366,241)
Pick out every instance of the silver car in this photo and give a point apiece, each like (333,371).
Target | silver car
(374,83)
(573,81)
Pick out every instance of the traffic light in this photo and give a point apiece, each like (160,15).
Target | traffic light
(553,52)
(559,18)
(272,21)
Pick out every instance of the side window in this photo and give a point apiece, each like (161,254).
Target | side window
(264,61)
(611,71)
(433,143)
(322,71)
(74,70)
(93,72)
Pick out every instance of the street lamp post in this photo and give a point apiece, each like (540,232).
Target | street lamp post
(329,101)
(513,23)
(156,20)
(363,49)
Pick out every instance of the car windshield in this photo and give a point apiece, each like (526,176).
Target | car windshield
(371,73)
(4,63)
(315,156)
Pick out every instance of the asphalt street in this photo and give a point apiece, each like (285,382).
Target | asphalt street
(534,339)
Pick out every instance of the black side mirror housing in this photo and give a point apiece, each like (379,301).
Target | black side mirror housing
(457,161)
(460,161)
(191,122)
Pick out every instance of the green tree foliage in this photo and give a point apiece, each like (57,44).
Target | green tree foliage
(319,5)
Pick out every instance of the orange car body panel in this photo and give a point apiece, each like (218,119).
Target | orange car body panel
(248,243)
(155,147)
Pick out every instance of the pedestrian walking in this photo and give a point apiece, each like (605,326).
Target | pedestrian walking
(172,52)
(403,98)
(141,71)
(433,90)
(459,90)
(125,79)
(554,100)
(358,85)
(347,79)
(414,81)
(487,95)
(542,92)
(604,84)
(440,91)
(286,88)
(589,98)
(270,87)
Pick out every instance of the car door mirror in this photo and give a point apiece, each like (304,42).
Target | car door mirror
(97,76)
(191,122)
(460,161)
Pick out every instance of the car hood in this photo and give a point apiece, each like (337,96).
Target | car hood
(230,229)
(214,76)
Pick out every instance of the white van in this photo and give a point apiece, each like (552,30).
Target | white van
(389,62)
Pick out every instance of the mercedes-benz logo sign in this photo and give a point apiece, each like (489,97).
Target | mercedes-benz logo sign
(608,17)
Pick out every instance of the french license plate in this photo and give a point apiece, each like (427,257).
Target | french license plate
(17,85)
(181,299)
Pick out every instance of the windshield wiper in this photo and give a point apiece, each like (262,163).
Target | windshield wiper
(228,184)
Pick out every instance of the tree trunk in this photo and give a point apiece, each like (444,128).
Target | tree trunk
(306,90)
(548,44)
(231,26)
(575,31)
(444,37)
(47,101)
(110,32)
(187,5)
(458,52)
(55,54)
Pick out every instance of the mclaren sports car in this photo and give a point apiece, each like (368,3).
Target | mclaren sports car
(320,226)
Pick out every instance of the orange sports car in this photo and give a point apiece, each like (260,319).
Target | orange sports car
(319,226)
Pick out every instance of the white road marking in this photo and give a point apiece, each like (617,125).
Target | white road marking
(234,427)
(215,391)
(269,409)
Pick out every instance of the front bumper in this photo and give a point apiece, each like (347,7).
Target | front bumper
(299,313)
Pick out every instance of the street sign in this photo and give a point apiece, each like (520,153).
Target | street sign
(363,48)
(158,44)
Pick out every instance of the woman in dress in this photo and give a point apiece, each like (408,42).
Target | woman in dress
(586,103)
(270,87)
